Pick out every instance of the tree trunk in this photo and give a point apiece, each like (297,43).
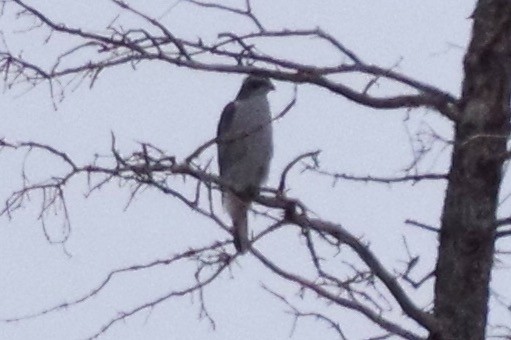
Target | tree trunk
(467,237)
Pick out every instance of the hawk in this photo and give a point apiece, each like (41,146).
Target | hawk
(245,148)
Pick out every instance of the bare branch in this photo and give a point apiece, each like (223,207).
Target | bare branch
(177,42)
(132,46)
(343,236)
(247,12)
(374,317)
(422,225)
(373,179)
(302,315)
(192,253)
(503,233)
(150,168)
(313,155)
(198,287)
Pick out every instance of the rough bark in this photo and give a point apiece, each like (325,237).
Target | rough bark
(467,238)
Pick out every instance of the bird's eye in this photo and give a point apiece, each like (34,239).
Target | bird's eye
(256,85)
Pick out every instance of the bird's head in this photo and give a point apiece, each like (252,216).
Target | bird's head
(253,86)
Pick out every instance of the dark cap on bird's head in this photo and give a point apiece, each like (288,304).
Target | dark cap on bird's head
(255,85)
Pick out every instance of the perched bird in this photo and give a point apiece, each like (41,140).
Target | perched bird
(245,148)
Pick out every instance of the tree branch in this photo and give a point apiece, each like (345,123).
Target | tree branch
(374,317)
(127,47)
(151,168)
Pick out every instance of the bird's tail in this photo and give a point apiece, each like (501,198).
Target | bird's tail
(240,225)
(238,210)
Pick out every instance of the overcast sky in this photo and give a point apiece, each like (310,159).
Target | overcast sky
(177,110)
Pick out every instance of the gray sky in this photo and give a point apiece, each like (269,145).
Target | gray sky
(177,110)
